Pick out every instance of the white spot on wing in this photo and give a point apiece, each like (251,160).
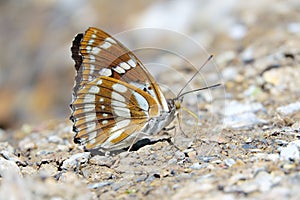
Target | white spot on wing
(104,114)
(122,112)
(117,96)
(92,58)
(119,88)
(99,82)
(92,69)
(104,122)
(88,48)
(119,125)
(96,50)
(132,63)
(119,70)
(141,101)
(106,45)
(138,85)
(118,104)
(90,117)
(101,99)
(94,35)
(91,127)
(92,137)
(91,41)
(89,98)
(105,72)
(114,136)
(111,40)
(94,89)
(125,66)
(89,107)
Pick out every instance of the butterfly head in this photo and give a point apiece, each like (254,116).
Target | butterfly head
(175,103)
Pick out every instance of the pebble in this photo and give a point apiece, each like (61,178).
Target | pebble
(223,58)
(75,161)
(107,161)
(289,109)
(238,31)
(290,152)
(207,158)
(12,182)
(263,182)
(296,142)
(48,170)
(9,168)
(248,55)
(55,139)
(243,121)
(229,73)
(248,146)
(229,162)
(274,157)
(293,27)
(196,166)
(27,144)
(179,155)
(10,156)
(7,147)
(235,108)
(252,91)
(98,185)
(172,161)
(242,115)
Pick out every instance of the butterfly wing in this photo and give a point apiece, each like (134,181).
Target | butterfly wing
(107,111)
(114,95)
(96,53)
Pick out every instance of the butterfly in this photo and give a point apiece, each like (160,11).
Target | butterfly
(115,100)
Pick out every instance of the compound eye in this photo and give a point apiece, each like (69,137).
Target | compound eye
(177,105)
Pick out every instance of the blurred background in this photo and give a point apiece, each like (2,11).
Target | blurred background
(36,69)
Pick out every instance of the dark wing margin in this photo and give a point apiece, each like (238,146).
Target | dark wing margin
(77,57)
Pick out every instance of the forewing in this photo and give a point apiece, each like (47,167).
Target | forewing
(96,53)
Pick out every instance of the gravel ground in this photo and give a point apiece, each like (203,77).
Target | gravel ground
(249,150)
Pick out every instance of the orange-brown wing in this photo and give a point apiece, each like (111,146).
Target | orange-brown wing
(96,53)
(107,111)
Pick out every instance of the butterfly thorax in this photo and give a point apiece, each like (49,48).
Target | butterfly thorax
(156,124)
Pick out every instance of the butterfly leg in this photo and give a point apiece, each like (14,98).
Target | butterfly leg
(139,136)
(183,133)
(179,123)
(133,142)
(194,116)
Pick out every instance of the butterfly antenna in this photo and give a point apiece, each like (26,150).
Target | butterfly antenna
(207,60)
(196,90)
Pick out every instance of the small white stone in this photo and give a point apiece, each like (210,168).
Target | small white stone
(290,152)
(75,161)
